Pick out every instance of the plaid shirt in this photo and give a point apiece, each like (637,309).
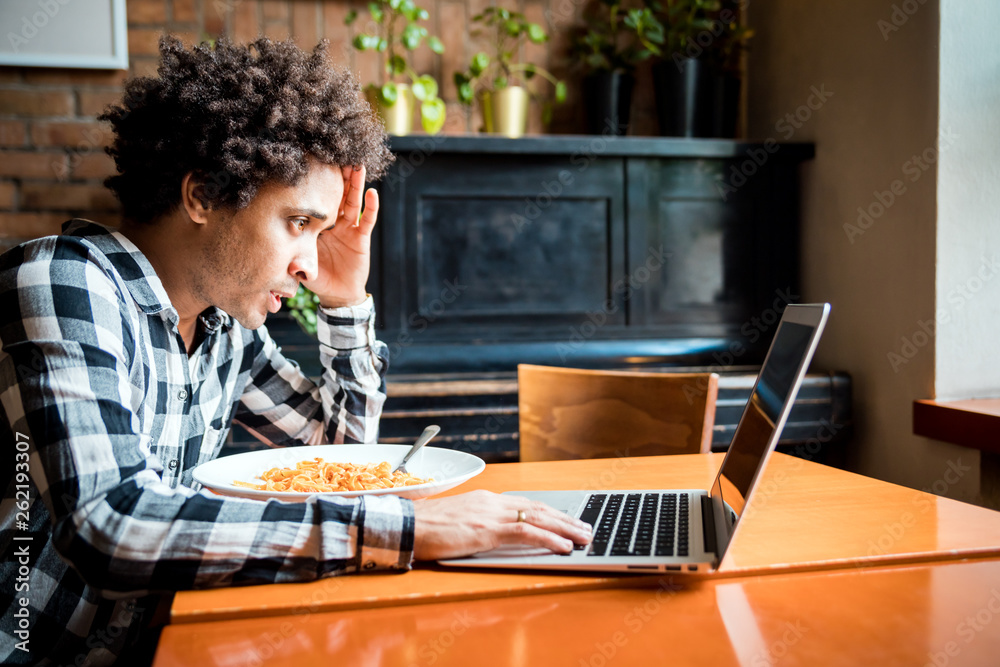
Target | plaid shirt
(103,416)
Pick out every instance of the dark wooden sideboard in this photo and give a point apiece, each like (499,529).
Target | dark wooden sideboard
(585,250)
(590,251)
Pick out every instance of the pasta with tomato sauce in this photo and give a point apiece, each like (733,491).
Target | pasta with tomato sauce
(319,476)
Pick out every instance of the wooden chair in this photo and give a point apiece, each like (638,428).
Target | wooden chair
(568,413)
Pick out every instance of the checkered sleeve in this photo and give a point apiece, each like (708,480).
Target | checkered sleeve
(281,406)
(68,349)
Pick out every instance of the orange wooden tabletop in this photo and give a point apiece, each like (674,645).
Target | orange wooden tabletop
(803,516)
(927,614)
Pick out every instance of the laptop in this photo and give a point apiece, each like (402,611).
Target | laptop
(682,530)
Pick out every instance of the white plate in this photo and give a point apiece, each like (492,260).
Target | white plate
(447,467)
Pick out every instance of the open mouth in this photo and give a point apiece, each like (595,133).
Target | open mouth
(274,302)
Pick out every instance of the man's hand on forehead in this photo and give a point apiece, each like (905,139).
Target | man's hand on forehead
(354,188)
(343,253)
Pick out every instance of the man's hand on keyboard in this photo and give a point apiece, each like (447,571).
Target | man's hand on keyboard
(462,525)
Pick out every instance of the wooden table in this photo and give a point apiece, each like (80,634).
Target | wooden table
(928,614)
(810,527)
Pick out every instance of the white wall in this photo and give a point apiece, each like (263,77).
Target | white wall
(968,226)
(879,272)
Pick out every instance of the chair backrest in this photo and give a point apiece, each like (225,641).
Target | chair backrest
(569,413)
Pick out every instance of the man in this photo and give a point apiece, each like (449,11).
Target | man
(125,355)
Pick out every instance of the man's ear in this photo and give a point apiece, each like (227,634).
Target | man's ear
(193,198)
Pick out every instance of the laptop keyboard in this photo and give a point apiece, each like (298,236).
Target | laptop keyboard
(637,524)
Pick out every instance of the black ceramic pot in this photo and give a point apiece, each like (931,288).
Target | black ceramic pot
(726,107)
(608,97)
(694,100)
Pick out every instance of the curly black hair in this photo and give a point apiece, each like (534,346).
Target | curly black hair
(237,116)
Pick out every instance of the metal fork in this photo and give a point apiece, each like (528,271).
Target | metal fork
(424,438)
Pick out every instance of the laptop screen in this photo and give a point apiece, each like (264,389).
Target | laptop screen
(763,412)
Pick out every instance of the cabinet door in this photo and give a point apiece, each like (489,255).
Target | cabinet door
(728,255)
(509,247)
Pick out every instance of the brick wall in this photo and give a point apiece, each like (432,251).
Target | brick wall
(52,161)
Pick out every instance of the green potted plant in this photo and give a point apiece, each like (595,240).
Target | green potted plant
(697,81)
(614,40)
(302,306)
(499,81)
(396,33)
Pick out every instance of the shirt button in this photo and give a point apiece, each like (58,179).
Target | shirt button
(174,463)
(182,394)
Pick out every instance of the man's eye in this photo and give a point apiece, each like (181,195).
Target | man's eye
(300,224)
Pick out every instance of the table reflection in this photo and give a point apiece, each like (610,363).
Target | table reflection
(949,613)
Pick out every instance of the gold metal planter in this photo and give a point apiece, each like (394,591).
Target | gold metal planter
(397,118)
(505,111)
